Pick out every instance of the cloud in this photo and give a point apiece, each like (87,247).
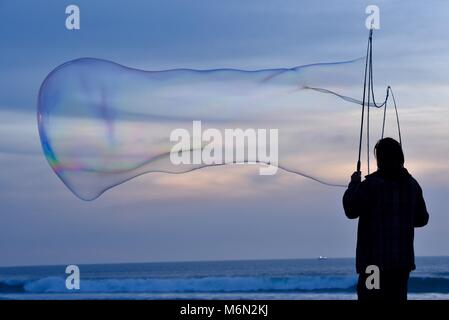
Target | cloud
(216,213)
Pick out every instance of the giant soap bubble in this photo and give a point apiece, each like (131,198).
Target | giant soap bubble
(101,123)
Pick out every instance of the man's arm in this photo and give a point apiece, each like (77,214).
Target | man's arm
(354,197)
(421,214)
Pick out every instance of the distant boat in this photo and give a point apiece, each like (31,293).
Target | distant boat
(322,258)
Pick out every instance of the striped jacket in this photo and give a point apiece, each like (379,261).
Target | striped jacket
(388,208)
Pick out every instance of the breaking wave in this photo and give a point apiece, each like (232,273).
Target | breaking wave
(213,284)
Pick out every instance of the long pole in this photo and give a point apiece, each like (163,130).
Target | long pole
(363,100)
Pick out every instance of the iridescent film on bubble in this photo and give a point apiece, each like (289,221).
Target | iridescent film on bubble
(101,123)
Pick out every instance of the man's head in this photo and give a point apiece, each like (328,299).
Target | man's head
(389,155)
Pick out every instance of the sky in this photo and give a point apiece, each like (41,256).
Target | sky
(214,213)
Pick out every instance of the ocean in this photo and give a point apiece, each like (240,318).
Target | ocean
(250,279)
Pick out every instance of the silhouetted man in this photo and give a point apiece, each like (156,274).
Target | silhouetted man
(389,204)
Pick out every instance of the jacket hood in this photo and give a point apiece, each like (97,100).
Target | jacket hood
(400,174)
